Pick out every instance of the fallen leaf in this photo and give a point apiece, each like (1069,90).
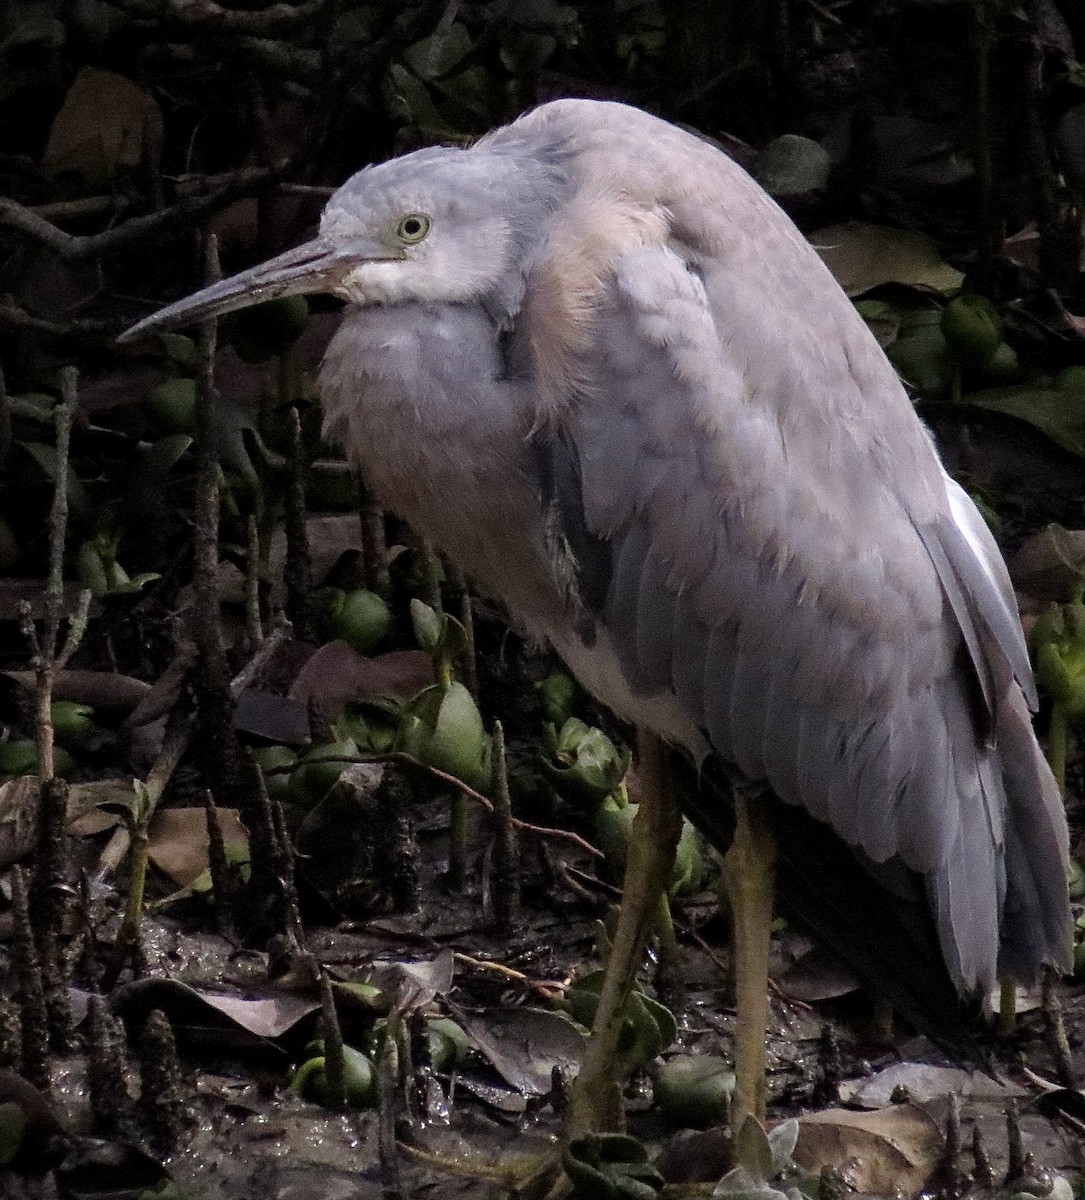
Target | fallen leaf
(924,1082)
(87,811)
(106,124)
(864,256)
(817,975)
(1058,413)
(416,984)
(329,534)
(177,840)
(524,1045)
(229,1021)
(336,674)
(104,690)
(891,1151)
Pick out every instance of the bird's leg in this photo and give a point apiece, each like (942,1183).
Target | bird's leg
(748,873)
(595,1098)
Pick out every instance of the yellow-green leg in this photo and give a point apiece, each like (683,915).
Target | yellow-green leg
(595,1098)
(748,873)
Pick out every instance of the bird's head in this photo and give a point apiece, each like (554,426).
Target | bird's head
(442,225)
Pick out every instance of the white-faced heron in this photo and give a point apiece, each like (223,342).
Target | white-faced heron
(594,363)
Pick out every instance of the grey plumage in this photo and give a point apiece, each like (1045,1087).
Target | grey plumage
(616,385)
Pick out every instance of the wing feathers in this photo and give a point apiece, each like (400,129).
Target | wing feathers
(798,576)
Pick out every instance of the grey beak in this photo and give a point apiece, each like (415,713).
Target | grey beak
(316,266)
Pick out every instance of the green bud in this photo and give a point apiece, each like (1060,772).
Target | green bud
(973,329)
(558,695)
(448,1044)
(318,770)
(360,618)
(20,757)
(442,727)
(583,764)
(694,1089)
(311,1081)
(270,757)
(922,359)
(71,721)
(173,403)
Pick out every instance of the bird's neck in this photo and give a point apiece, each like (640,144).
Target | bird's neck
(419,397)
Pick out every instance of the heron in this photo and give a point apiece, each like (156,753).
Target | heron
(594,363)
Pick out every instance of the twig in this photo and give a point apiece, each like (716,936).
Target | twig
(1055,1028)
(208,16)
(14,317)
(505,877)
(253,624)
(546,990)
(297,571)
(279,632)
(374,549)
(335,1071)
(5,419)
(431,575)
(72,248)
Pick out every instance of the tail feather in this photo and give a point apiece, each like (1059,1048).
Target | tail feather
(875,917)
(1037,927)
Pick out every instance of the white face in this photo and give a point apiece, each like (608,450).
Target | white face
(438,229)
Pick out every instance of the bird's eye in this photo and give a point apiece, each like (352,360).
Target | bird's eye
(413,227)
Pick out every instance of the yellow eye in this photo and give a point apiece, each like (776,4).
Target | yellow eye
(412,228)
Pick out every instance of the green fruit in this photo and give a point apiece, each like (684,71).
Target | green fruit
(922,359)
(612,825)
(311,1081)
(359,618)
(20,757)
(263,330)
(173,403)
(318,771)
(270,757)
(973,329)
(1071,379)
(442,728)
(694,1089)
(180,350)
(71,721)
(1001,367)
(448,1044)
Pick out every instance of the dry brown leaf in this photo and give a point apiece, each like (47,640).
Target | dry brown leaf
(329,534)
(890,1151)
(924,1082)
(103,690)
(107,123)
(863,256)
(86,816)
(177,842)
(336,674)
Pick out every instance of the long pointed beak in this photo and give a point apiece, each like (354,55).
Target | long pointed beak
(316,266)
